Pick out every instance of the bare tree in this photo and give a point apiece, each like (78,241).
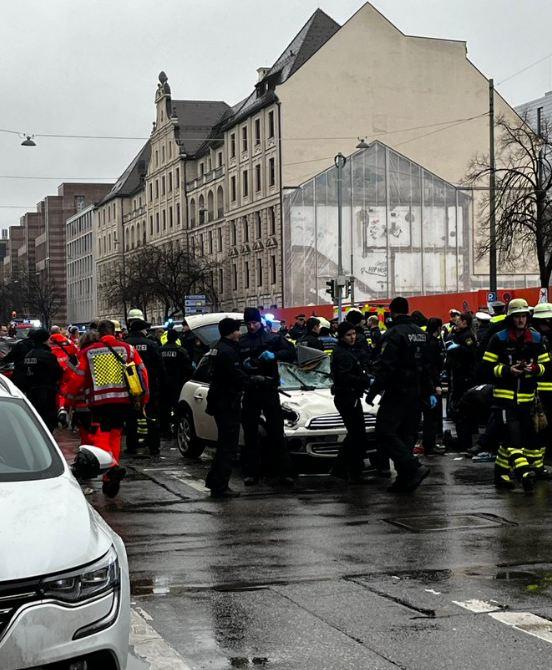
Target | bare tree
(43,297)
(523,204)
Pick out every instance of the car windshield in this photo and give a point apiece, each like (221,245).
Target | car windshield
(25,451)
(293,378)
(209,334)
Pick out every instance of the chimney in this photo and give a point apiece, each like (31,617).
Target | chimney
(262,72)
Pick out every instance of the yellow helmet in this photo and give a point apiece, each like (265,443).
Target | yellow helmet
(543,311)
(518,306)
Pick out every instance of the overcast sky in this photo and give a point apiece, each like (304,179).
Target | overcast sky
(91,66)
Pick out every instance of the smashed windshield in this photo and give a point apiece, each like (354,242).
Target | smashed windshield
(293,378)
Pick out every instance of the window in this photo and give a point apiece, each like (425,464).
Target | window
(163,154)
(272,214)
(219,159)
(258,225)
(220,239)
(244,139)
(192,213)
(163,185)
(245,183)
(233,188)
(156,158)
(221,280)
(245,230)
(539,120)
(151,225)
(271,124)
(233,234)
(210,206)
(156,188)
(157,222)
(246,273)
(80,202)
(259,272)
(257,178)
(210,242)
(201,210)
(177,213)
(201,249)
(201,169)
(170,149)
(273,269)
(220,202)
(171,222)
(143,232)
(234,277)
(233,145)
(271,172)
(177,180)
(164,216)
(257,132)
(151,191)
(170,180)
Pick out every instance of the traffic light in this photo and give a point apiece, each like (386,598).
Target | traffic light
(331,289)
(348,287)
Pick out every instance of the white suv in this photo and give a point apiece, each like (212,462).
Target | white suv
(64,585)
(313,427)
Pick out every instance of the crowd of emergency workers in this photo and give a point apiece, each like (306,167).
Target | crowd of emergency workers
(487,374)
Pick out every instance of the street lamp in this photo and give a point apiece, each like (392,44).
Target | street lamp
(28,141)
(339,161)
(362,144)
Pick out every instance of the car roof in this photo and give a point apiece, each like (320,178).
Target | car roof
(197,320)
(8,389)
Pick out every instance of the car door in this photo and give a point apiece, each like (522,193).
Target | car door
(198,388)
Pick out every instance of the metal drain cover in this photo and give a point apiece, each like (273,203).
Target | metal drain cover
(440,522)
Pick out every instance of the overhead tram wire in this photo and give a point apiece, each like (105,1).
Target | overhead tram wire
(527,67)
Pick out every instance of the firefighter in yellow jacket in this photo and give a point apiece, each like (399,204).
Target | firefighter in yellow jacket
(516,359)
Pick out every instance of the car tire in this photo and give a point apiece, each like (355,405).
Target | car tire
(186,439)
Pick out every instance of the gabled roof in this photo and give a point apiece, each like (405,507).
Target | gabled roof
(196,120)
(314,34)
(131,179)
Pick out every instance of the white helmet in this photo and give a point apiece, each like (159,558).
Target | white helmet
(518,306)
(135,314)
(324,323)
(543,311)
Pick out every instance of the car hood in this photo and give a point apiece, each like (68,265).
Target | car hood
(47,526)
(317,403)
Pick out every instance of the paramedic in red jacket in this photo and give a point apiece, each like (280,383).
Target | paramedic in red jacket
(67,356)
(100,376)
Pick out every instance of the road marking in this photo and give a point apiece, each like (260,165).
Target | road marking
(477,606)
(435,593)
(150,646)
(526,622)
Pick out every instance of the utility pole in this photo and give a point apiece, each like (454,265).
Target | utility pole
(340,161)
(492,192)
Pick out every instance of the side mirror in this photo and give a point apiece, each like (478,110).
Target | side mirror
(91,461)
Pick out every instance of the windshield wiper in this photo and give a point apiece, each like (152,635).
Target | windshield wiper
(303,386)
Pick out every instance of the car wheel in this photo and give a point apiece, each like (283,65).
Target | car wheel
(186,439)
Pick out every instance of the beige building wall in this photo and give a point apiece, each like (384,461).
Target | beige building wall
(370,80)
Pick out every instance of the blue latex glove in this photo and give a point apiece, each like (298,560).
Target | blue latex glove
(267,356)
(452,345)
(433,401)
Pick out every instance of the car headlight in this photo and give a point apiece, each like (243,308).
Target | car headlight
(84,583)
(291,415)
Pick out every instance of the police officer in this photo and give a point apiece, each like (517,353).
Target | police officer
(349,384)
(16,356)
(299,328)
(223,403)
(516,360)
(312,336)
(178,369)
(461,359)
(362,348)
(148,425)
(496,324)
(374,335)
(260,352)
(403,378)
(41,375)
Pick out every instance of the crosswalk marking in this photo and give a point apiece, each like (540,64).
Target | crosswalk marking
(150,646)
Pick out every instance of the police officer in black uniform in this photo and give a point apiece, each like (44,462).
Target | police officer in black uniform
(223,403)
(362,347)
(312,337)
(41,375)
(148,426)
(349,384)
(16,356)
(260,352)
(403,378)
(178,368)
(462,360)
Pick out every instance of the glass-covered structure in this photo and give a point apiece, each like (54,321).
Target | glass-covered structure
(405,231)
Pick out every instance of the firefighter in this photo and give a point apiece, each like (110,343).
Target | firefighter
(299,328)
(223,403)
(100,374)
(41,377)
(329,342)
(350,382)
(450,327)
(403,378)
(516,360)
(178,369)
(496,324)
(311,338)
(260,352)
(542,321)
(144,422)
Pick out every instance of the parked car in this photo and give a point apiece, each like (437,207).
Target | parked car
(64,585)
(313,427)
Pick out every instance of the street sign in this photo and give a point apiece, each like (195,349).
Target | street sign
(543,294)
(491,296)
(195,304)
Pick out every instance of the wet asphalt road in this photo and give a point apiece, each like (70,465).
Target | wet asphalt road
(334,576)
